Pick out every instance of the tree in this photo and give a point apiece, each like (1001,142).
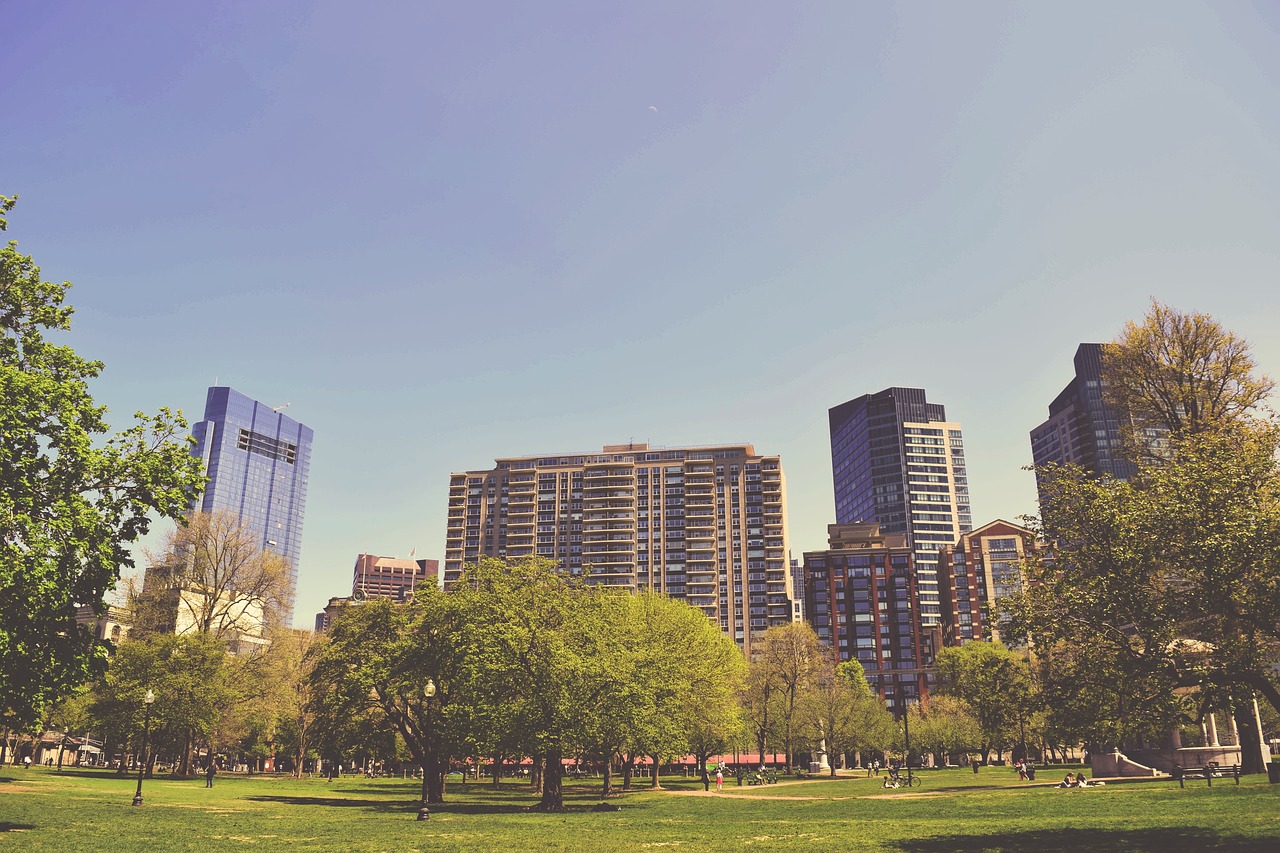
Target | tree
(214,577)
(945,726)
(1179,374)
(189,679)
(400,663)
(996,685)
(72,497)
(792,656)
(840,711)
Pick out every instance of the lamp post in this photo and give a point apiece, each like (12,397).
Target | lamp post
(428,693)
(147,702)
(906,734)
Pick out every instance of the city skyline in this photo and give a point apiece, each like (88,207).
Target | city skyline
(430,229)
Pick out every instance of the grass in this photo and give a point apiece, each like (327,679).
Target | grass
(953,811)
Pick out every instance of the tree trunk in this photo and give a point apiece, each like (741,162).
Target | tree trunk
(497,769)
(628,769)
(535,775)
(1247,729)
(606,787)
(654,782)
(552,790)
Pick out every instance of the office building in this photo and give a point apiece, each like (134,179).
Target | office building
(985,566)
(896,460)
(703,524)
(860,596)
(257,461)
(1082,428)
(390,577)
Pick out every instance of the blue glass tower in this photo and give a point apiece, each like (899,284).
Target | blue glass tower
(257,461)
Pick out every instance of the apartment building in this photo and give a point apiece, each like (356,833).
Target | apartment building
(861,597)
(704,524)
(985,566)
(896,460)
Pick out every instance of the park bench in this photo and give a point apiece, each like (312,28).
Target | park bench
(768,777)
(1207,772)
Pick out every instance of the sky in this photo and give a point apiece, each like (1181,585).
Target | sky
(449,232)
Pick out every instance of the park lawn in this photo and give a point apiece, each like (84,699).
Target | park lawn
(952,811)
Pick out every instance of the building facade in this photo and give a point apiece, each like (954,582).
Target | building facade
(896,460)
(704,524)
(257,461)
(860,596)
(1082,428)
(985,566)
(390,577)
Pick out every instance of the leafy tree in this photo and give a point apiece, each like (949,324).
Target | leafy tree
(402,662)
(997,686)
(793,657)
(1180,374)
(189,679)
(840,711)
(72,497)
(945,726)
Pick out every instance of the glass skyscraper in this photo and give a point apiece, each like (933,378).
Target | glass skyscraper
(897,460)
(257,461)
(1082,428)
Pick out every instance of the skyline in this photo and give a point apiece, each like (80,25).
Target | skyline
(446,235)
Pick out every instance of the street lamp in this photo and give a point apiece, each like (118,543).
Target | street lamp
(147,702)
(906,733)
(428,693)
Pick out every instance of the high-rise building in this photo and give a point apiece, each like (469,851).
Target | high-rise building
(704,524)
(1082,428)
(897,460)
(860,596)
(257,461)
(390,577)
(983,567)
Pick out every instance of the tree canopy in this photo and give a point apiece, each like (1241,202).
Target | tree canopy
(73,497)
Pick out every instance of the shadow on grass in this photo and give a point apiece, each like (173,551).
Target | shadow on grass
(572,805)
(384,806)
(5,826)
(1076,840)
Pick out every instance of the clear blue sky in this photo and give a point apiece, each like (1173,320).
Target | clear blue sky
(449,232)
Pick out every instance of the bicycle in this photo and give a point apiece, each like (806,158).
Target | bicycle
(897,780)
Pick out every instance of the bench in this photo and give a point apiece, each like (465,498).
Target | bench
(1207,772)
(768,777)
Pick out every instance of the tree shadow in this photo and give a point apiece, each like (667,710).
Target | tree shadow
(1163,840)
(384,806)
(6,826)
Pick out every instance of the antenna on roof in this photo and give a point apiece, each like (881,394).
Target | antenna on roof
(278,408)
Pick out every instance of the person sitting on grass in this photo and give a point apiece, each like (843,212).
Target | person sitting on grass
(1068,781)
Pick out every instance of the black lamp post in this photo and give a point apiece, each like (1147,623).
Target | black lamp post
(147,702)
(906,734)
(428,693)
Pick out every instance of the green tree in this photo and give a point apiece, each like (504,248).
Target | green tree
(189,679)
(72,497)
(1180,374)
(793,658)
(945,726)
(996,685)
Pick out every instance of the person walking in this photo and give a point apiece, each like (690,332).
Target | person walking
(719,779)
(209,774)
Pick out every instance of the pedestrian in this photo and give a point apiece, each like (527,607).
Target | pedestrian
(209,773)
(26,763)
(719,779)
(974,763)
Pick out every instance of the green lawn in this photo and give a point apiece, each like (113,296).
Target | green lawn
(953,811)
